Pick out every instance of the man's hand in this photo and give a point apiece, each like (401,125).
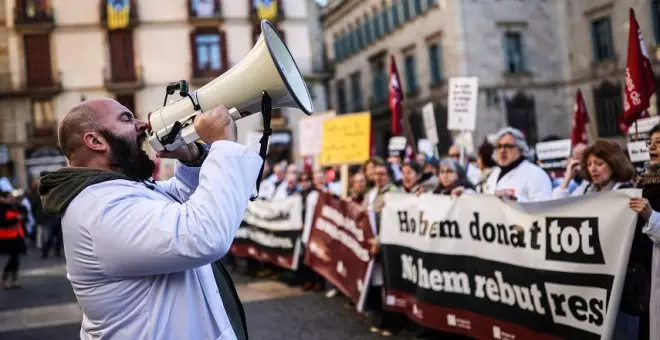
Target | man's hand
(641,206)
(215,125)
(187,153)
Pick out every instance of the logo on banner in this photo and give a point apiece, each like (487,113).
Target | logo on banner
(573,239)
(451,320)
(498,334)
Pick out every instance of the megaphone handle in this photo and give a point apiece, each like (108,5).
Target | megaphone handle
(266,109)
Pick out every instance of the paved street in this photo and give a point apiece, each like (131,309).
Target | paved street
(46,309)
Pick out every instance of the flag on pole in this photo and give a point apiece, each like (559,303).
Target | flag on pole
(396,97)
(640,84)
(119,12)
(580,120)
(266,9)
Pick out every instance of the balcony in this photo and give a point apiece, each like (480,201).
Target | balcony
(133,18)
(7,88)
(31,20)
(128,82)
(44,87)
(199,15)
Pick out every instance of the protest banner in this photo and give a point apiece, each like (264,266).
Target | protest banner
(339,245)
(346,139)
(488,268)
(270,232)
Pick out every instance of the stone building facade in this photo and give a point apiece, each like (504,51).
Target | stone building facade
(59,52)
(530,58)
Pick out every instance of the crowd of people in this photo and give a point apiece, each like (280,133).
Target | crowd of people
(507,169)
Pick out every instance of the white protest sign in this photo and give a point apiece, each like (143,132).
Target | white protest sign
(553,149)
(397,143)
(638,152)
(310,133)
(424,146)
(644,125)
(428,113)
(462,113)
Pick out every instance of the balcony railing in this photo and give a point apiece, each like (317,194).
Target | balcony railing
(8,88)
(196,15)
(116,84)
(46,87)
(133,18)
(34,20)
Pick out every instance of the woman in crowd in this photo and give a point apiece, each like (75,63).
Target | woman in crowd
(411,174)
(452,176)
(515,178)
(486,164)
(358,188)
(429,180)
(12,237)
(648,206)
(605,168)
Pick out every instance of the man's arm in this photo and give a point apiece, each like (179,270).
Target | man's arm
(136,236)
(186,177)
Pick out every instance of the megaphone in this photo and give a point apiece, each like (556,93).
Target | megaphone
(268,69)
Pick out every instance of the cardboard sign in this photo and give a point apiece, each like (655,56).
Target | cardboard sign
(428,114)
(424,146)
(554,150)
(310,133)
(638,152)
(346,139)
(463,94)
(397,143)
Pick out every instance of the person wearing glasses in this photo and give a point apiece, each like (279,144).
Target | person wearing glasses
(516,178)
(471,171)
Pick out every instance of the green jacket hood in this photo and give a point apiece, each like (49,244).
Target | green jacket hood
(58,188)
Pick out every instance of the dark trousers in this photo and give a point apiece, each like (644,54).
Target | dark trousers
(54,240)
(12,265)
(392,321)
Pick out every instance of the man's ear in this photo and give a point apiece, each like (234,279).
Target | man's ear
(95,141)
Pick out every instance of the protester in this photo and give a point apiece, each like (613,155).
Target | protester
(411,174)
(572,175)
(12,238)
(648,206)
(516,178)
(485,164)
(472,172)
(369,170)
(269,186)
(137,250)
(358,188)
(383,322)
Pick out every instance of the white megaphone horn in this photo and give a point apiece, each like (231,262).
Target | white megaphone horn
(267,70)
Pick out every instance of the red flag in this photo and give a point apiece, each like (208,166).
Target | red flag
(640,85)
(396,97)
(580,120)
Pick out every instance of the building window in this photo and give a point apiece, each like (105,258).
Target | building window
(395,15)
(601,39)
(356,92)
(411,74)
(377,28)
(514,53)
(367,31)
(406,10)
(379,82)
(341,97)
(360,35)
(430,3)
(122,58)
(655,18)
(435,62)
(43,119)
(609,106)
(337,47)
(386,20)
(417,7)
(210,55)
(37,60)
(128,100)
(204,8)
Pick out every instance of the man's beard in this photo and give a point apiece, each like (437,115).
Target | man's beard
(128,158)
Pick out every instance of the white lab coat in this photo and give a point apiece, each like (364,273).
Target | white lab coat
(528,182)
(139,261)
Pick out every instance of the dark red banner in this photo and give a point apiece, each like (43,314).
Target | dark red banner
(339,245)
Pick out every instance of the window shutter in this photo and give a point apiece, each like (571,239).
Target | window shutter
(418,7)
(368,30)
(193,53)
(506,49)
(386,21)
(594,40)
(523,54)
(608,39)
(406,10)
(223,53)
(395,16)
(430,3)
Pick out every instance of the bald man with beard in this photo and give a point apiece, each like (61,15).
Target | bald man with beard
(142,256)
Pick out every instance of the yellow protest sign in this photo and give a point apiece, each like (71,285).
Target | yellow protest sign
(346,139)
